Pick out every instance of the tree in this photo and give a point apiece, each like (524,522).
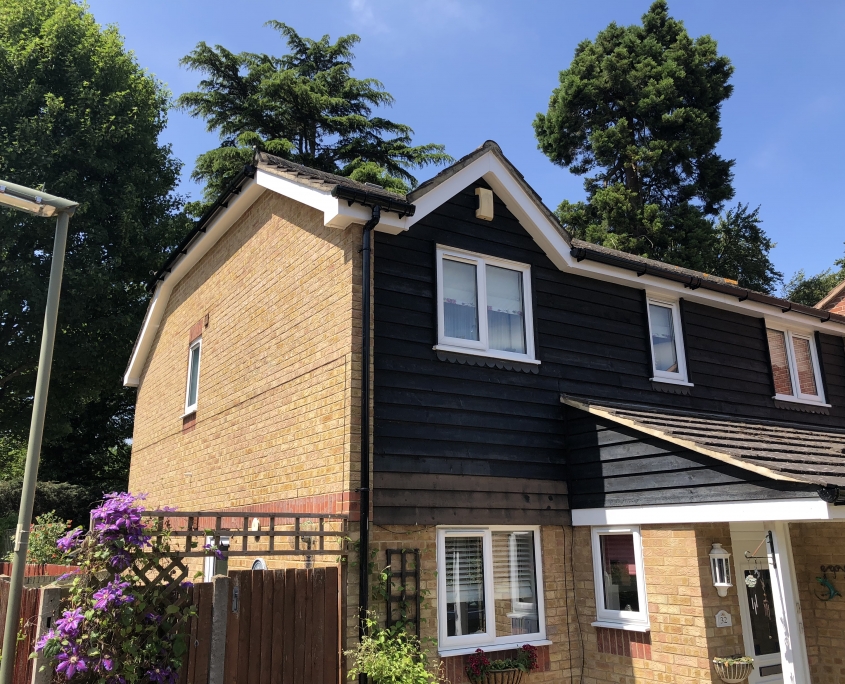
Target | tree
(810,290)
(304,106)
(638,110)
(81,119)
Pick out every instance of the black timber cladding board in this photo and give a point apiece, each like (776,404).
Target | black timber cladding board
(433,417)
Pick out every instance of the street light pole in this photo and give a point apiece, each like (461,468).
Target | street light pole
(39,204)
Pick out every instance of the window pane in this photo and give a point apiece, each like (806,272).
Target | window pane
(465,586)
(780,363)
(505,310)
(804,364)
(460,300)
(515,583)
(761,609)
(619,571)
(193,380)
(663,338)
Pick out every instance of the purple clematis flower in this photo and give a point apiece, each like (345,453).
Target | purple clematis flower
(161,674)
(47,636)
(106,663)
(69,624)
(69,541)
(112,595)
(71,662)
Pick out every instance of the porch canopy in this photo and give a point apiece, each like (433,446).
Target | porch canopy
(781,451)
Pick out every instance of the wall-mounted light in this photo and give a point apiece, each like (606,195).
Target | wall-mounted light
(720,566)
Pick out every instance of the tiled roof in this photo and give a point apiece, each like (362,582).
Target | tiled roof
(781,451)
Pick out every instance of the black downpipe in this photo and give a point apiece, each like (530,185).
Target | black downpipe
(364,491)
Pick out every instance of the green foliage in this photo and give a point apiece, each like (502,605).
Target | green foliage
(810,290)
(391,656)
(67,501)
(637,113)
(304,106)
(46,531)
(80,118)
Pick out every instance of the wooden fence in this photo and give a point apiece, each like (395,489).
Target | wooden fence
(30,604)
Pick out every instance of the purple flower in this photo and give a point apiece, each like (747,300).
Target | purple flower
(69,541)
(120,518)
(69,624)
(70,662)
(161,674)
(47,636)
(218,554)
(105,663)
(187,584)
(112,595)
(153,617)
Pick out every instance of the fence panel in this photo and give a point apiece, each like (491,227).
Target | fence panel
(30,601)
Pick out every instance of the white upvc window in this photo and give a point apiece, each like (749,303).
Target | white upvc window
(666,341)
(621,601)
(489,588)
(484,306)
(192,391)
(795,366)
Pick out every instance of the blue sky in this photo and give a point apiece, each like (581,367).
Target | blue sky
(464,71)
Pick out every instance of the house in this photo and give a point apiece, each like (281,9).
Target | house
(834,301)
(633,466)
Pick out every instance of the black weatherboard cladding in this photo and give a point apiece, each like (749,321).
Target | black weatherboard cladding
(458,443)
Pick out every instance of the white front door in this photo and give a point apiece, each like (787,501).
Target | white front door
(768,603)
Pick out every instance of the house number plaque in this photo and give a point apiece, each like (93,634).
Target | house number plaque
(723,619)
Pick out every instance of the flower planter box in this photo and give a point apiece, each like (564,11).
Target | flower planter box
(733,673)
(513,676)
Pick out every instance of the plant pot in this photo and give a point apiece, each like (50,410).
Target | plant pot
(733,673)
(511,676)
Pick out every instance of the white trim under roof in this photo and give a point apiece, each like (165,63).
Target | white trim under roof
(500,176)
(811,508)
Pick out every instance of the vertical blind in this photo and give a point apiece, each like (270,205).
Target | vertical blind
(460,300)
(663,338)
(505,310)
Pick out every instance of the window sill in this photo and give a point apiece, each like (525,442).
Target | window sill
(469,351)
(490,648)
(628,626)
(672,381)
(189,414)
(796,400)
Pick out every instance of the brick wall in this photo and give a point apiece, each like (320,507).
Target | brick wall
(814,545)
(682,607)
(555,660)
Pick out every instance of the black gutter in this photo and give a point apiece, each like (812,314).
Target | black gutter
(364,491)
(222,202)
(372,199)
(694,282)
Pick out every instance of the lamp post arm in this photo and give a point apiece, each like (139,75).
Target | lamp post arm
(33,452)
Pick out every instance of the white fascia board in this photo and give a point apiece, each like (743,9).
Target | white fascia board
(550,240)
(198,249)
(337,213)
(735,511)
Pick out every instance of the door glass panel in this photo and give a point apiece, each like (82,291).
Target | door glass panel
(761,609)
(460,300)
(505,310)
(804,364)
(619,570)
(663,339)
(465,586)
(780,363)
(515,584)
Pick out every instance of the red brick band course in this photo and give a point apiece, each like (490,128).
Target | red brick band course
(624,642)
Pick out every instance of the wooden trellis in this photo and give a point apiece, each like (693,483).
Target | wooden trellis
(400,597)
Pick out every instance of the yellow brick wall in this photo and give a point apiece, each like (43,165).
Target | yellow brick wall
(814,545)
(557,586)
(277,413)
(682,607)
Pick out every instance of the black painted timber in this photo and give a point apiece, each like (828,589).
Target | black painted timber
(436,419)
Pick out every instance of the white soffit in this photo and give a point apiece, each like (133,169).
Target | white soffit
(812,508)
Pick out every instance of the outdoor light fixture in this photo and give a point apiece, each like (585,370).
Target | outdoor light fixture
(720,566)
(40,204)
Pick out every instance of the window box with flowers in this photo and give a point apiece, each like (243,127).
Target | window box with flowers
(481,670)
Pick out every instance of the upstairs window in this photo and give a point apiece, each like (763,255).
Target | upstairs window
(490,587)
(192,391)
(484,305)
(667,346)
(795,366)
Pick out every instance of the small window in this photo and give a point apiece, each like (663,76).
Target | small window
(193,376)
(795,366)
(484,306)
(490,587)
(667,346)
(620,582)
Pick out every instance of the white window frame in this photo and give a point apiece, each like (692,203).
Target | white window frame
(799,396)
(196,344)
(681,377)
(457,645)
(480,347)
(620,619)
